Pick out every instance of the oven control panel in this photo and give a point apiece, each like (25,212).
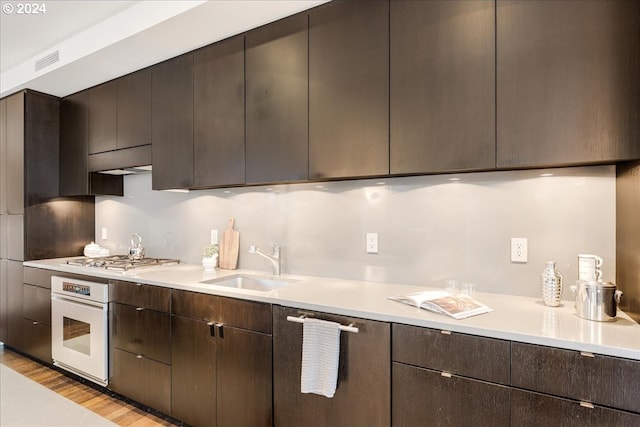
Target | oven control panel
(76,288)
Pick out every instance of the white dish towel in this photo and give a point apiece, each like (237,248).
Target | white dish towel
(320,356)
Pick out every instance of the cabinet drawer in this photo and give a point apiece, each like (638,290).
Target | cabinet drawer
(139,295)
(250,315)
(142,332)
(36,304)
(143,380)
(452,352)
(37,340)
(582,376)
(38,277)
(534,409)
(425,397)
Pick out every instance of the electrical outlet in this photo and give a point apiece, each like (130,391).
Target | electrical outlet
(372,243)
(519,252)
(104,233)
(214,237)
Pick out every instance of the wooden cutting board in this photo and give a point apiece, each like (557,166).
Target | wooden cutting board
(229,247)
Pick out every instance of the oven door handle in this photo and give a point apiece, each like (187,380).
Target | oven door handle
(74,300)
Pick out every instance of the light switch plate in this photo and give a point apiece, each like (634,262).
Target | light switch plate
(214,237)
(104,233)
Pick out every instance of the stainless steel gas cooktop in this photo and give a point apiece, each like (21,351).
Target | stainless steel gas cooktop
(121,262)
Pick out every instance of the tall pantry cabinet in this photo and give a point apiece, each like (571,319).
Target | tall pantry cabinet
(35,223)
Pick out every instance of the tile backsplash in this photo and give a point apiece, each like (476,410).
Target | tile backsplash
(430,228)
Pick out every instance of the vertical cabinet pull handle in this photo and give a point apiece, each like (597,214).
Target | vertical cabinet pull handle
(220,330)
(212,329)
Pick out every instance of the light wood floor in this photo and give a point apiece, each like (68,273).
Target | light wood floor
(113,409)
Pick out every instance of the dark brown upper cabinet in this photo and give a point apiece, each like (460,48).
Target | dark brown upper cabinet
(134,110)
(218,82)
(567,82)
(349,89)
(277,102)
(172,123)
(120,113)
(102,117)
(442,105)
(75,178)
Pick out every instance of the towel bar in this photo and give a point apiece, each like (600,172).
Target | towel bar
(349,328)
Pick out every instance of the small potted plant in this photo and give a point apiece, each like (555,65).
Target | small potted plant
(210,257)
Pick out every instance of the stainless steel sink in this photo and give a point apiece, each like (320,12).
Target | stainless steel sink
(255,283)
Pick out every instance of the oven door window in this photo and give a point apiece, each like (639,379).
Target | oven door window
(76,335)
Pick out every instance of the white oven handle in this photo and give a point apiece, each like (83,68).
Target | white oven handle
(73,300)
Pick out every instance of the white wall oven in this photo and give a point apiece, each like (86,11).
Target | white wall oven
(79,327)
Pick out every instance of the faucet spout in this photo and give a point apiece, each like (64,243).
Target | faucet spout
(276,259)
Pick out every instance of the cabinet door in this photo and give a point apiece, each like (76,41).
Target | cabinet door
(349,89)
(156,298)
(442,86)
(133,127)
(141,379)
(3,156)
(74,134)
(533,409)
(172,123)
(218,83)
(15,154)
(3,300)
(193,372)
(277,102)
(426,397)
(244,378)
(567,86)
(15,319)
(102,118)
(363,395)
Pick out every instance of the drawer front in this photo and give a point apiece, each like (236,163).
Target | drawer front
(535,409)
(623,383)
(36,304)
(37,340)
(139,295)
(555,371)
(143,380)
(452,352)
(38,277)
(424,397)
(254,316)
(142,332)
(194,305)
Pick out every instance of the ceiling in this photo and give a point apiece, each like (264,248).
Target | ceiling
(88,42)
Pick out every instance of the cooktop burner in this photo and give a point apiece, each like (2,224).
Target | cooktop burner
(120,262)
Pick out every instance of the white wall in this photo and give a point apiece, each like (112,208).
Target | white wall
(431,228)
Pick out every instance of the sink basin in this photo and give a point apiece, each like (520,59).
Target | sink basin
(254,283)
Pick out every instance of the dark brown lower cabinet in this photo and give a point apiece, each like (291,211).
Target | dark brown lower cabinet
(36,309)
(535,409)
(144,380)
(221,374)
(425,397)
(142,331)
(363,395)
(193,373)
(37,340)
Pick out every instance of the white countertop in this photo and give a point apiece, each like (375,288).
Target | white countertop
(514,318)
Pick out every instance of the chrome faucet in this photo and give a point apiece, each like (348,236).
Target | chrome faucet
(276,260)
